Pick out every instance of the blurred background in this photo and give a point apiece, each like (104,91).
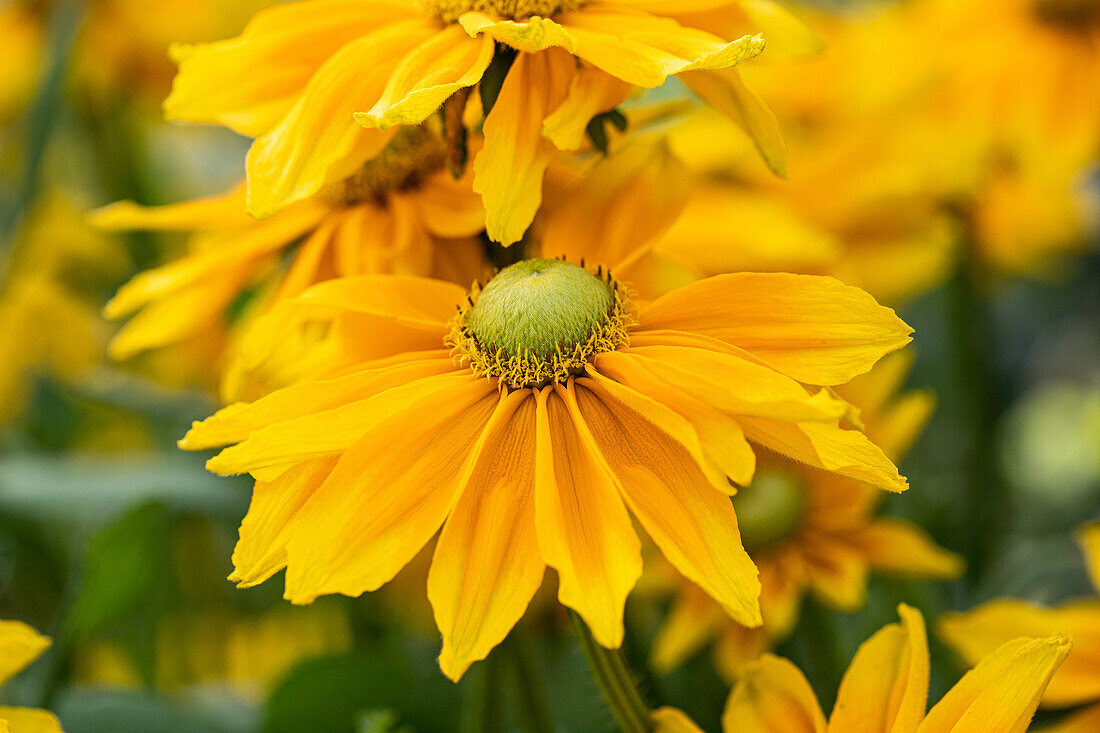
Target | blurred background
(943,156)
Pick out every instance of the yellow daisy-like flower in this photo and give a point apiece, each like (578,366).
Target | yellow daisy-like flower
(402,212)
(1077,683)
(322,84)
(814,532)
(885,690)
(19,646)
(526,418)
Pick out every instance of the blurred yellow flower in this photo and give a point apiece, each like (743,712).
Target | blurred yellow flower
(563,401)
(401,213)
(814,532)
(19,646)
(885,690)
(21,39)
(972,634)
(302,74)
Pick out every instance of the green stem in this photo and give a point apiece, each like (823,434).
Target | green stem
(614,680)
(482,707)
(531,706)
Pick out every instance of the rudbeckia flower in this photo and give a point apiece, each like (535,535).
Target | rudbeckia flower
(529,419)
(885,690)
(19,646)
(401,213)
(1077,683)
(812,532)
(322,84)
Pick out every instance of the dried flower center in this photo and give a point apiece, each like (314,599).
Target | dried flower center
(452,10)
(413,153)
(1072,15)
(769,510)
(539,321)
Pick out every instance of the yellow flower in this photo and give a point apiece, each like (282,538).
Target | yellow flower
(21,39)
(401,213)
(885,690)
(19,646)
(303,74)
(973,633)
(527,422)
(814,532)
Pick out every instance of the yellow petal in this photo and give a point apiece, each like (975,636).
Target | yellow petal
(828,446)
(1002,692)
(667,491)
(529,36)
(592,92)
(318,141)
(671,720)
(584,531)
(29,720)
(427,76)
(620,206)
(903,548)
(448,207)
(417,301)
(250,82)
(645,50)
(976,633)
(486,566)
(692,621)
(509,169)
(772,696)
(261,550)
(214,212)
(726,92)
(1088,537)
(814,329)
(837,574)
(886,685)
(19,646)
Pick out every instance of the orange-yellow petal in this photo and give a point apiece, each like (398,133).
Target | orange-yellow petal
(213,212)
(1002,692)
(19,646)
(591,92)
(814,329)
(487,566)
(886,686)
(772,696)
(29,720)
(671,720)
(903,548)
(692,621)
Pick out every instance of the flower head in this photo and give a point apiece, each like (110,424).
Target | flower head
(536,464)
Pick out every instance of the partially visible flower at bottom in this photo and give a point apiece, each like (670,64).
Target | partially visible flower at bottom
(19,646)
(526,418)
(973,633)
(885,690)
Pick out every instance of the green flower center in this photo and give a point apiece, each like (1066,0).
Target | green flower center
(769,510)
(452,10)
(413,153)
(539,321)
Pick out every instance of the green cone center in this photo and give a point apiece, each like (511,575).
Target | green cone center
(539,306)
(770,509)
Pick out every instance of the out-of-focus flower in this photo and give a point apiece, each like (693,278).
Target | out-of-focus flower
(21,39)
(53,277)
(19,646)
(555,65)
(246,653)
(561,403)
(814,532)
(885,690)
(401,213)
(973,633)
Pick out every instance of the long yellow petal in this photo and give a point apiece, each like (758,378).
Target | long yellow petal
(645,50)
(529,36)
(19,646)
(427,76)
(591,92)
(978,632)
(693,620)
(388,494)
(772,696)
(212,212)
(667,491)
(814,329)
(902,548)
(487,566)
(318,141)
(1002,692)
(584,530)
(885,689)
(29,720)
(509,169)
(250,82)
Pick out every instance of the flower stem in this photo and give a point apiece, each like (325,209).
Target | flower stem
(531,706)
(614,680)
